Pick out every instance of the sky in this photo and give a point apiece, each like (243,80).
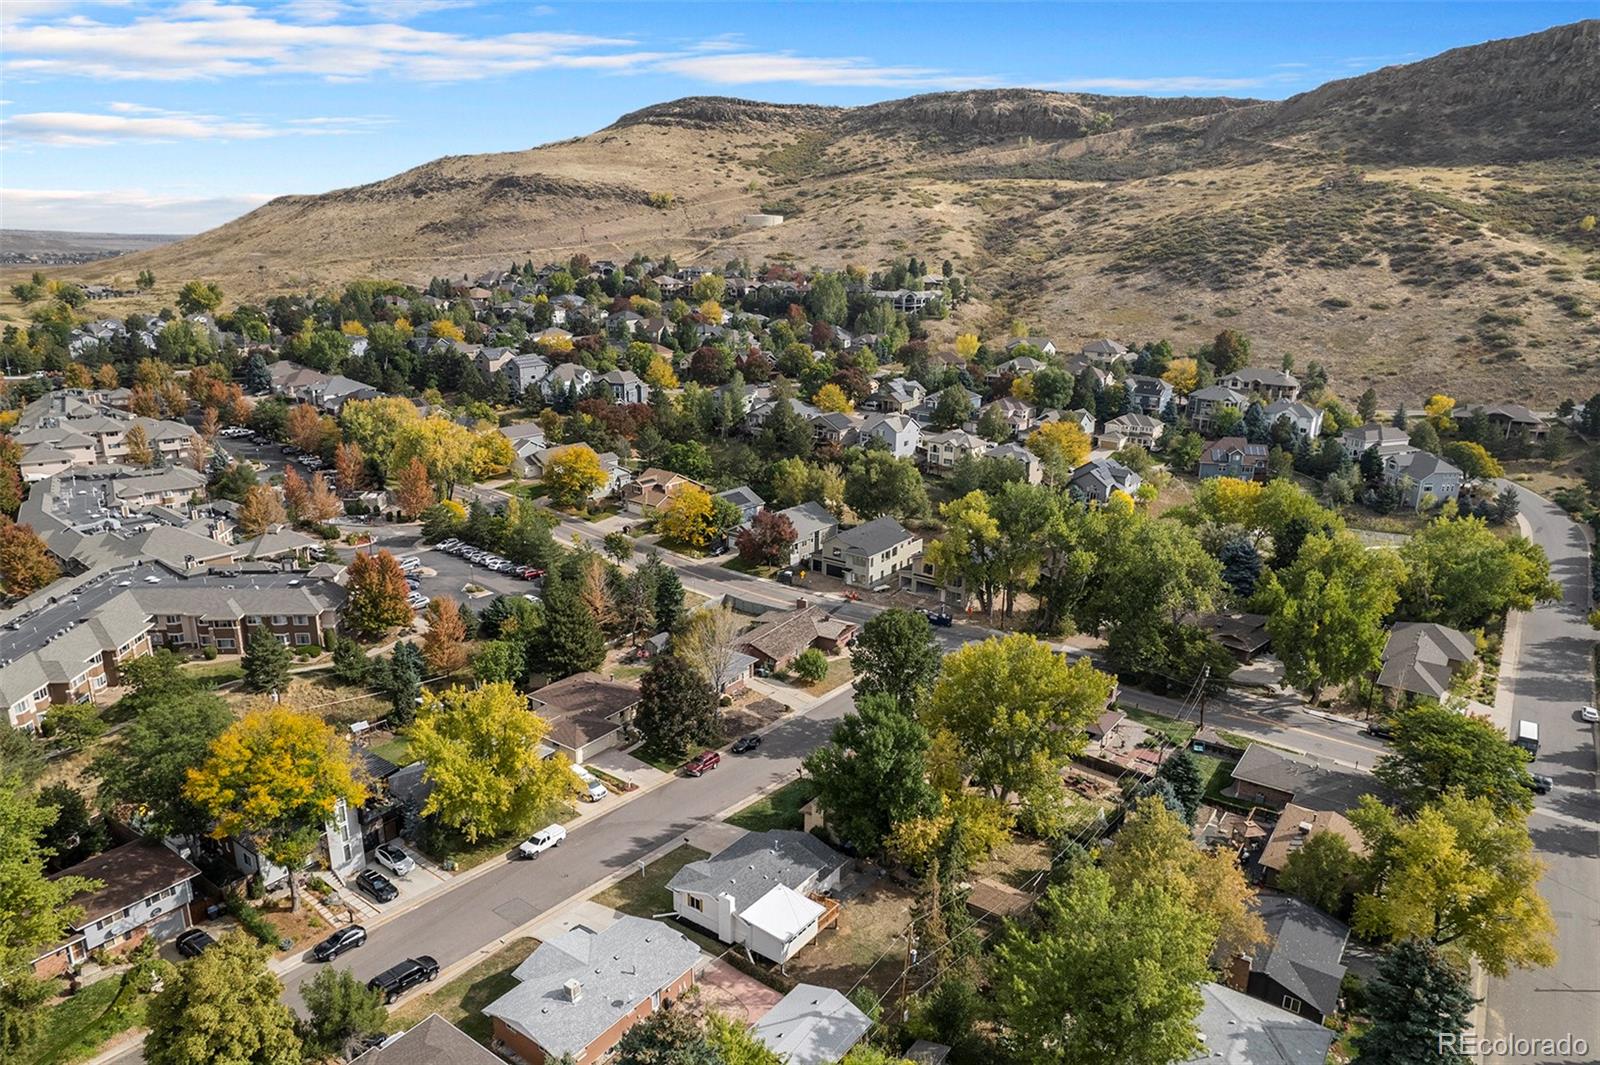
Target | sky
(143,117)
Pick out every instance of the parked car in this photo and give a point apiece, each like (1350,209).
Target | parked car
(409,563)
(703,763)
(746,743)
(541,841)
(398,979)
(194,942)
(940,617)
(445,545)
(392,858)
(1542,784)
(344,939)
(1381,729)
(1590,714)
(374,884)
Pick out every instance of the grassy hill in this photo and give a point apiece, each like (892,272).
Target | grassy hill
(1414,228)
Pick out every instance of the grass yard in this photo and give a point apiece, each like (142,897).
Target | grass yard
(217,672)
(776,809)
(1019,860)
(867,945)
(1177,732)
(461,1001)
(839,674)
(739,565)
(75,1028)
(646,894)
(396,749)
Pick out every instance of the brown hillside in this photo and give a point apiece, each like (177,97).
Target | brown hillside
(1414,228)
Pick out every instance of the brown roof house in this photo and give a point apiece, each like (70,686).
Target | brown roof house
(778,643)
(586,712)
(580,992)
(146,893)
(1295,826)
(649,491)
(1421,658)
(434,1041)
(1234,456)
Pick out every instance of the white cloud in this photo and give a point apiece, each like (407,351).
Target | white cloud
(121,210)
(749,68)
(136,122)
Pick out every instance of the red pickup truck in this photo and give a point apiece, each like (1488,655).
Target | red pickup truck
(702,763)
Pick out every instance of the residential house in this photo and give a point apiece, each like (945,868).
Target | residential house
(650,490)
(1076,366)
(1148,395)
(779,642)
(939,452)
(898,395)
(1386,438)
(1021,366)
(1295,826)
(1243,635)
(744,497)
(524,371)
(899,432)
(835,429)
(1269,384)
(1234,456)
(1422,658)
(922,578)
(1304,419)
(1270,778)
(1423,477)
(432,1041)
(1300,966)
(579,993)
(812,1025)
(1044,344)
(1011,451)
(1083,419)
(145,893)
(492,362)
(1511,419)
(332,393)
(1018,414)
(1097,479)
(763,892)
(1235,1029)
(869,554)
(1105,352)
(586,712)
(569,376)
(813,524)
(1141,429)
(1207,404)
(536,460)
(626,387)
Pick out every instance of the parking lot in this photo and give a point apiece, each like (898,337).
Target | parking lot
(445,574)
(269,455)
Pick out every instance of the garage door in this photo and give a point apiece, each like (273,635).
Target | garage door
(835,571)
(168,925)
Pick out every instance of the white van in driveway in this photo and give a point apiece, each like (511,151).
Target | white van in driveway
(593,789)
(541,841)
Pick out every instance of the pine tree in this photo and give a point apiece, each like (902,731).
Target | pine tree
(404,676)
(266,662)
(257,378)
(1241,566)
(1181,773)
(572,641)
(669,597)
(677,709)
(350,662)
(1418,996)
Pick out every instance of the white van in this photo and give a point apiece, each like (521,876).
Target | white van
(593,789)
(409,563)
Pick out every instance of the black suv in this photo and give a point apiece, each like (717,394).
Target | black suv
(342,940)
(398,979)
(376,885)
(194,943)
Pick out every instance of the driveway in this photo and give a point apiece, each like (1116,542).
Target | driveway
(1551,679)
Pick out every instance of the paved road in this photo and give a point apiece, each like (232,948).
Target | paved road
(1552,680)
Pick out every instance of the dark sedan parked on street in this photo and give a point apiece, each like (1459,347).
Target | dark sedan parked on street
(344,939)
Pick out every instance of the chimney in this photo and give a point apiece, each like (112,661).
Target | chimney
(1304,827)
(574,990)
(1239,972)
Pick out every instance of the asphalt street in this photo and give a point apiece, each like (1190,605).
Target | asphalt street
(1553,679)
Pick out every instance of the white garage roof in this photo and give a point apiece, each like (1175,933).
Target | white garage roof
(783,913)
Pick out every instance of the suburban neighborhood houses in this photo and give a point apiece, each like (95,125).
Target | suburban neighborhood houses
(573,660)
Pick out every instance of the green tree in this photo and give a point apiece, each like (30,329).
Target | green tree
(401,679)
(73,834)
(1436,749)
(499,660)
(811,665)
(1321,871)
(147,764)
(951,409)
(669,595)
(970,549)
(1462,574)
(873,774)
(222,1008)
(571,641)
(338,1007)
(266,662)
(199,297)
(1105,977)
(1016,709)
(896,655)
(1328,622)
(1474,460)
(33,910)
(1419,995)
(485,773)
(826,301)
(158,677)
(350,663)
(1181,773)
(678,708)
(1457,873)
(74,726)
(878,483)
(673,1036)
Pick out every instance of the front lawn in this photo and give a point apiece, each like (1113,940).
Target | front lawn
(75,1028)
(1178,733)
(462,1000)
(396,749)
(645,894)
(777,809)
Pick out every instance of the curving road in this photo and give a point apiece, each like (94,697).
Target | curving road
(1552,677)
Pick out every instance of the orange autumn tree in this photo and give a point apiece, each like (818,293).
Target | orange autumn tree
(414,492)
(350,467)
(444,646)
(376,595)
(259,510)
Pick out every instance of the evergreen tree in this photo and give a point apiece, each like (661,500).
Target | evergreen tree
(257,378)
(403,681)
(669,597)
(266,662)
(678,708)
(1367,406)
(1181,774)
(572,641)
(1419,994)
(1401,419)
(1241,566)
(350,662)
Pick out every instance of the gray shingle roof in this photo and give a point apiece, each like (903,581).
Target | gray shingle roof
(1421,657)
(434,1041)
(809,517)
(871,538)
(1241,1030)
(812,1025)
(1303,950)
(750,867)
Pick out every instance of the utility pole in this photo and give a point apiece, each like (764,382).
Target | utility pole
(1205,675)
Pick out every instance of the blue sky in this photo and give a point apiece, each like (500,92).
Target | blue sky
(152,117)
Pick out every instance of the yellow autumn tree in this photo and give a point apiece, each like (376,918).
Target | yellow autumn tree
(1183,375)
(572,474)
(1061,446)
(686,517)
(276,776)
(659,373)
(830,399)
(967,345)
(492,454)
(353,329)
(711,311)
(445,329)
(1438,409)
(1022,388)
(443,446)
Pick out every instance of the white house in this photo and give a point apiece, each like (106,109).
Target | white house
(1304,419)
(900,432)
